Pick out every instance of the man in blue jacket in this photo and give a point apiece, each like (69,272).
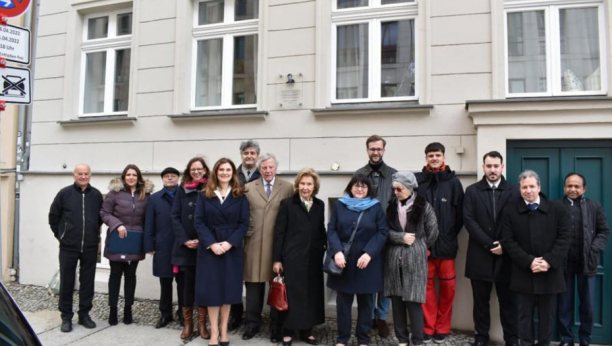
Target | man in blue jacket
(75,220)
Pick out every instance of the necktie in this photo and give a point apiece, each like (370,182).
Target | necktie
(532,206)
(268,189)
(248,174)
(493,188)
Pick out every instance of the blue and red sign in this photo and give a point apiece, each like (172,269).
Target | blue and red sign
(13,8)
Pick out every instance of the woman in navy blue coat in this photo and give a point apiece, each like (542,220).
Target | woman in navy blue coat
(186,241)
(363,265)
(221,220)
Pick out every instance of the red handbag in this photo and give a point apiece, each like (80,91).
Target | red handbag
(277,296)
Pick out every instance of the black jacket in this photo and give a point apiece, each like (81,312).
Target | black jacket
(243,180)
(544,232)
(382,185)
(478,218)
(595,233)
(158,232)
(444,192)
(74,218)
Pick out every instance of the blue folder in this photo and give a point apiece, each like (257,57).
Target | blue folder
(132,244)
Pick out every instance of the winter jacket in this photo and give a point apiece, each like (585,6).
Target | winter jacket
(183,212)
(122,208)
(381,181)
(74,218)
(444,192)
(159,235)
(243,180)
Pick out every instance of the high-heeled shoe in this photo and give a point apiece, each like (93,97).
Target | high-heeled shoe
(218,341)
(287,343)
(224,343)
(309,341)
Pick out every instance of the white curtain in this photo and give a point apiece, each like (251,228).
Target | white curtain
(580,63)
(352,65)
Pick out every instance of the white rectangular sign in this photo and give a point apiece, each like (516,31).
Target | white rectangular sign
(15,44)
(16,85)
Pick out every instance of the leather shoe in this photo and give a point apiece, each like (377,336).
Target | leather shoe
(249,333)
(563,343)
(312,341)
(276,336)
(86,322)
(66,326)
(478,343)
(163,321)
(234,323)
(383,328)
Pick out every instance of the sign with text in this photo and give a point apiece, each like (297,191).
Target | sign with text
(16,85)
(13,8)
(15,44)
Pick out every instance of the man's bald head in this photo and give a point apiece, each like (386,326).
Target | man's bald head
(82,174)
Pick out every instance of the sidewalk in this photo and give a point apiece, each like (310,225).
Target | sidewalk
(40,308)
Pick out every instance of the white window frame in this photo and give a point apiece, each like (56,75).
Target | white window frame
(553,47)
(373,15)
(110,45)
(226,31)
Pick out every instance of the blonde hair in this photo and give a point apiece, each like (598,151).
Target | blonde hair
(307,172)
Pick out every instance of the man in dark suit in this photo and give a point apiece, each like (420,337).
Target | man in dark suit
(487,263)
(536,236)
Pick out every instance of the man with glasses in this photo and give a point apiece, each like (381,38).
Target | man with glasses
(380,176)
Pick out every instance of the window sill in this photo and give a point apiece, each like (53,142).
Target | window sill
(243,113)
(371,108)
(114,119)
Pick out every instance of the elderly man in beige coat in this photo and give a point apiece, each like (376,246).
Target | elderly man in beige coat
(264,197)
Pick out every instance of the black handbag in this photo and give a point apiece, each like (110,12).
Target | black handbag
(329,265)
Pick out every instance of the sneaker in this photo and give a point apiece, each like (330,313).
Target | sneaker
(427,338)
(439,338)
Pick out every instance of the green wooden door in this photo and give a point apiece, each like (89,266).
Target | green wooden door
(552,160)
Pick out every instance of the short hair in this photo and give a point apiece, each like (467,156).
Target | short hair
(265,157)
(187,172)
(493,154)
(375,138)
(435,146)
(576,174)
(359,179)
(307,172)
(529,174)
(249,144)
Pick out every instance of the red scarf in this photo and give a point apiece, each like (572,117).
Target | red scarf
(431,169)
(195,183)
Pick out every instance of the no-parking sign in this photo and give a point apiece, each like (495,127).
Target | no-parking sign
(13,8)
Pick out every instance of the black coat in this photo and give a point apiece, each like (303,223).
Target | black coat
(243,180)
(480,263)
(444,192)
(544,232)
(158,233)
(299,243)
(183,212)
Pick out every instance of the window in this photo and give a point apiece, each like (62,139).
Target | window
(555,50)
(225,54)
(105,72)
(374,45)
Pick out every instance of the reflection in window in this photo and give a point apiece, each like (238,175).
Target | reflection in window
(211,12)
(397,59)
(95,72)
(97,28)
(208,73)
(580,64)
(388,2)
(352,3)
(527,28)
(122,80)
(124,24)
(352,69)
(244,86)
(246,9)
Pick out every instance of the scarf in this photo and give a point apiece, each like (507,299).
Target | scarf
(431,169)
(194,183)
(402,210)
(170,193)
(358,204)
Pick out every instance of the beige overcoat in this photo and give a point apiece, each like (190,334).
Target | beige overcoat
(260,237)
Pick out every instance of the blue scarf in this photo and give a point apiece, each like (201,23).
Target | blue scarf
(170,193)
(358,204)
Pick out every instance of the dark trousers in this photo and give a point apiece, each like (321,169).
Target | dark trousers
(127,270)
(255,292)
(236,311)
(547,306)
(165,298)
(565,302)
(481,292)
(344,305)
(304,334)
(401,310)
(188,273)
(87,273)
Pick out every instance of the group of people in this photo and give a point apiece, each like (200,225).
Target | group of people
(392,233)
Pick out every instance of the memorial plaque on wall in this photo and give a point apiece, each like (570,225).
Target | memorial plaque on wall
(290,91)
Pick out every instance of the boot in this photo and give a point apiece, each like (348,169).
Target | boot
(112,316)
(204,334)
(188,327)
(127,315)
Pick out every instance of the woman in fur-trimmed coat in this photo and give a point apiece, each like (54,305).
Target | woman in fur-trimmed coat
(413,229)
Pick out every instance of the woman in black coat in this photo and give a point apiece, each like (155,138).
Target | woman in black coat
(186,241)
(299,246)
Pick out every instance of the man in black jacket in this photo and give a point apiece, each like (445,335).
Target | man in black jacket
(444,192)
(487,263)
(75,221)
(589,235)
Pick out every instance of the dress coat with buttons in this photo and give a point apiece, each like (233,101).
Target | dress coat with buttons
(370,238)
(485,228)
(183,212)
(219,277)
(299,244)
(158,233)
(260,237)
(544,232)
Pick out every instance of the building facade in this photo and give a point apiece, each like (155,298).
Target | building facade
(155,82)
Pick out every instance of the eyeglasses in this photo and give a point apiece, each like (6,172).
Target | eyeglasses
(196,170)
(376,149)
(360,187)
(398,189)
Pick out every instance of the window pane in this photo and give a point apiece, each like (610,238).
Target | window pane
(580,65)
(122,80)
(387,2)
(352,3)
(210,12)
(95,72)
(352,62)
(397,59)
(97,28)
(208,73)
(526,52)
(244,86)
(246,9)
(124,24)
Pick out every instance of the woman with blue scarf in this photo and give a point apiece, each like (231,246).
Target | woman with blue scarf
(363,265)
